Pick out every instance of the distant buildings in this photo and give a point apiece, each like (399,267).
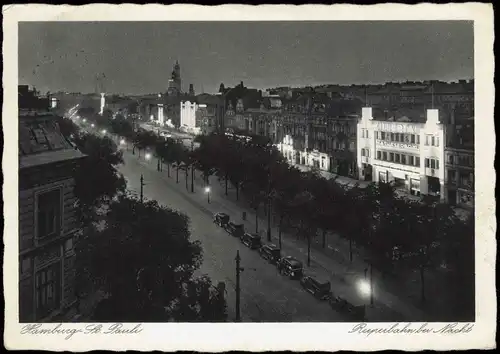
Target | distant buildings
(48,223)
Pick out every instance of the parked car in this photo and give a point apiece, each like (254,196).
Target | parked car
(251,240)
(320,290)
(271,253)
(221,219)
(291,267)
(339,304)
(237,230)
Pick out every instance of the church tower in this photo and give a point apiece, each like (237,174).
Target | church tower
(174,84)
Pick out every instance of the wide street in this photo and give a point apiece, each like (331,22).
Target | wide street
(265,295)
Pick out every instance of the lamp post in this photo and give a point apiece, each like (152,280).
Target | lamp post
(238,270)
(207,190)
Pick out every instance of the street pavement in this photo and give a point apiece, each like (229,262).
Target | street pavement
(266,296)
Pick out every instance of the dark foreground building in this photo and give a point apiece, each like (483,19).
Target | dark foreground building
(47,220)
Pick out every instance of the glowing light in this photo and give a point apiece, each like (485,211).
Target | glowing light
(92,125)
(122,142)
(364,288)
(148,156)
(207,189)
(104,131)
(84,120)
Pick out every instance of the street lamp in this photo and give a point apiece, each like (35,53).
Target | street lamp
(207,190)
(104,131)
(122,142)
(92,125)
(147,156)
(84,120)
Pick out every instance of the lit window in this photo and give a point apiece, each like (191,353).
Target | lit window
(68,245)
(49,214)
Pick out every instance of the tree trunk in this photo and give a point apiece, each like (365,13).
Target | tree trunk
(168,170)
(324,238)
(133,149)
(257,219)
(187,187)
(422,283)
(177,178)
(308,249)
(280,225)
(350,249)
(226,182)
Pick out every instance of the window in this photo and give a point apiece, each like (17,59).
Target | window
(363,152)
(25,265)
(392,136)
(412,139)
(412,161)
(426,162)
(437,164)
(403,159)
(379,155)
(450,159)
(406,138)
(427,140)
(417,161)
(391,156)
(367,135)
(49,214)
(437,141)
(382,135)
(48,289)
(433,141)
(68,245)
(418,139)
(452,177)
(384,156)
(397,158)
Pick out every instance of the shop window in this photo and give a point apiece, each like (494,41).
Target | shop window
(397,158)
(403,159)
(412,160)
(391,156)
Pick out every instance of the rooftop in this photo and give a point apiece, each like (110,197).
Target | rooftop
(41,142)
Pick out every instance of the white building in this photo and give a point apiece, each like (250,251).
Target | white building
(188,116)
(408,154)
(312,158)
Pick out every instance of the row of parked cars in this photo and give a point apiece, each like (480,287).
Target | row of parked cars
(290,267)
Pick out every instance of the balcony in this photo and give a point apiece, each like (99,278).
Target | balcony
(431,172)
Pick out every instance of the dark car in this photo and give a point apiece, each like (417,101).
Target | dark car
(271,253)
(251,240)
(237,230)
(291,267)
(221,219)
(320,290)
(339,304)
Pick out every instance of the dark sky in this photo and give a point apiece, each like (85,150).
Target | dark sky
(137,57)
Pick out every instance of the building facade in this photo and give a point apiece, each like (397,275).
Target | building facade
(409,155)
(48,223)
(189,121)
(460,177)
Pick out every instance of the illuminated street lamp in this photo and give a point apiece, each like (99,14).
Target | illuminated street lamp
(92,125)
(364,288)
(104,131)
(147,156)
(207,190)
(84,120)
(122,142)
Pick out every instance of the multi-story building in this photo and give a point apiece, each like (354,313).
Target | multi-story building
(460,177)
(48,222)
(189,114)
(403,151)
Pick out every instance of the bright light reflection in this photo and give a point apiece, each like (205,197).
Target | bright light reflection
(207,189)
(148,156)
(364,288)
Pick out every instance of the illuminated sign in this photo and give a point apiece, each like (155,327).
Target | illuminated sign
(398,128)
(396,144)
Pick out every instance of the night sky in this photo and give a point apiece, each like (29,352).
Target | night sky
(137,57)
